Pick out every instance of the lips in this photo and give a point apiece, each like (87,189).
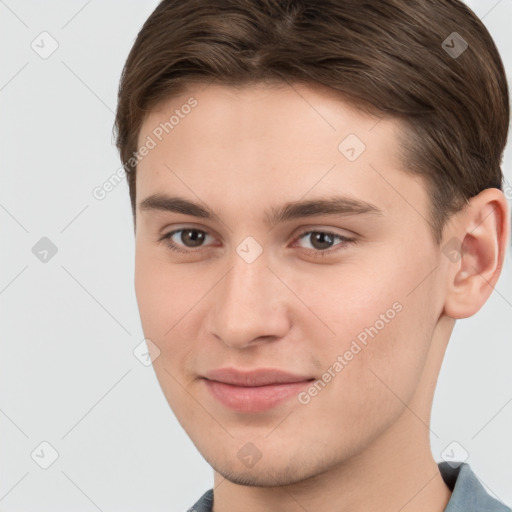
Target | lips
(255,390)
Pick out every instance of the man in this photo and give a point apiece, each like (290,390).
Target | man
(316,192)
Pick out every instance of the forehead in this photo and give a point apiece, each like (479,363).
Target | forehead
(276,112)
(266,141)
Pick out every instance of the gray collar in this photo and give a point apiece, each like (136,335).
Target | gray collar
(468,494)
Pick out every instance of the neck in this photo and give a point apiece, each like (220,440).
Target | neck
(395,473)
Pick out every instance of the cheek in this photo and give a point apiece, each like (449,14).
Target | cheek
(383,319)
(164,292)
(164,298)
(344,301)
(171,301)
(151,293)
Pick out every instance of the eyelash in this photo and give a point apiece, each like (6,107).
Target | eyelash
(311,252)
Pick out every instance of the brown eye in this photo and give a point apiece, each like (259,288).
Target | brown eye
(185,239)
(192,237)
(323,241)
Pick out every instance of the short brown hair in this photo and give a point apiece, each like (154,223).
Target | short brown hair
(431,63)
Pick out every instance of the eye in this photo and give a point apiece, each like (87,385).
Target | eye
(321,242)
(190,237)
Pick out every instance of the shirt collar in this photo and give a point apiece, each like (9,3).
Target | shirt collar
(468,494)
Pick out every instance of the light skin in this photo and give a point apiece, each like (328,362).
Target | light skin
(363,442)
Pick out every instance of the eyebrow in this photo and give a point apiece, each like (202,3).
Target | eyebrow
(337,205)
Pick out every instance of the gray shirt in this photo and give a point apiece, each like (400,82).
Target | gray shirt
(468,494)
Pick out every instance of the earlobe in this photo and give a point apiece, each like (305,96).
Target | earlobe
(476,252)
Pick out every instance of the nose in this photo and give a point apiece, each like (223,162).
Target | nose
(250,305)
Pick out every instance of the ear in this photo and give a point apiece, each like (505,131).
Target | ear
(476,249)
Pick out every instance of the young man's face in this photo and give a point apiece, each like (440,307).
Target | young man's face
(352,315)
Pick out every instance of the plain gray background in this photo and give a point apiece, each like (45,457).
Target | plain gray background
(70,324)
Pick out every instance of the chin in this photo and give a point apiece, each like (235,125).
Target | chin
(268,473)
(262,478)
